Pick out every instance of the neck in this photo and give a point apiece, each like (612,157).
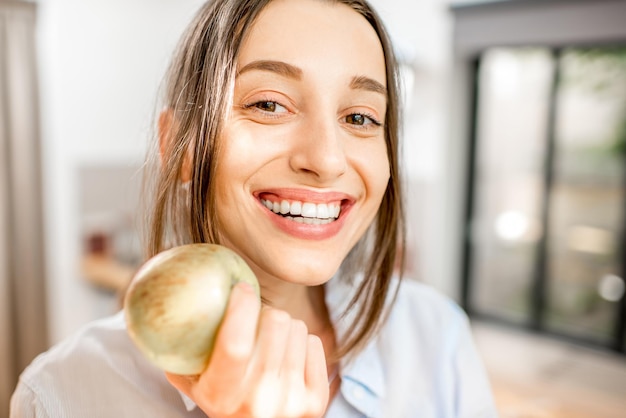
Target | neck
(306,303)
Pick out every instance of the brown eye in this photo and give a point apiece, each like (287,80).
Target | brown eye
(356,119)
(266,106)
(360,119)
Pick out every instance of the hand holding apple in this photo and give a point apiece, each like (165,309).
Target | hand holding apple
(263,363)
(176,303)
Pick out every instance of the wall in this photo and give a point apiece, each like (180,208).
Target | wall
(101,63)
(422,32)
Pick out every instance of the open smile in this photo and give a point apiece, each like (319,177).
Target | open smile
(306,214)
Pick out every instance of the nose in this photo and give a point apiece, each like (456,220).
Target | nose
(319,150)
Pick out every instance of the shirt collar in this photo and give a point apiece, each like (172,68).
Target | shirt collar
(362,378)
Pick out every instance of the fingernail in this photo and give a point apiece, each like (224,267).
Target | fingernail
(243,287)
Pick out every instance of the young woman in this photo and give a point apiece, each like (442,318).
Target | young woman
(279,140)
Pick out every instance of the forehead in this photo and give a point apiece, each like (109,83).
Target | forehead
(315,33)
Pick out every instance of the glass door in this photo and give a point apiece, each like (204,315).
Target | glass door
(547,197)
(585,263)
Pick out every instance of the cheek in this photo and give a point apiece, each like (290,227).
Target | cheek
(246,147)
(373,168)
(236,151)
(246,153)
(230,166)
(236,160)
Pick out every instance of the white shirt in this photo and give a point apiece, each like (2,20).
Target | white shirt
(423,364)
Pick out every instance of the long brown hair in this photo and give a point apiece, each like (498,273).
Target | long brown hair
(198,90)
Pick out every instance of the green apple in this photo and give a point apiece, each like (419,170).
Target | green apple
(176,302)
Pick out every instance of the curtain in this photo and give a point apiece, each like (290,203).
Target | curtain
(23,327)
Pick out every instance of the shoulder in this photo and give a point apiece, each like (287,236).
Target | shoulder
(66,367)
(101,339)
(92,370)
(87,353)
(426,343)
(427,321)
(425,305)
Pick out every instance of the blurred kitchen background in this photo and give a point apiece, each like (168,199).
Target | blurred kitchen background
(515,159)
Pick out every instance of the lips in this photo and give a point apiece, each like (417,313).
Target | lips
(306,214)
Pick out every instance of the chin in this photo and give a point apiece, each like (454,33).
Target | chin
(305,274)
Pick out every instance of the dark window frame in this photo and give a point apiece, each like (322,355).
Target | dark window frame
(552,24)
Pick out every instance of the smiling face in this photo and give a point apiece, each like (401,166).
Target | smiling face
(303,162)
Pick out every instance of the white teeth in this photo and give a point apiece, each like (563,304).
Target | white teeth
(296,208)
(307,210)
(322,211)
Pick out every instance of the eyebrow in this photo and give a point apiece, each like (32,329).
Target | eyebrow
(278,67)
(369,84)
(291,71)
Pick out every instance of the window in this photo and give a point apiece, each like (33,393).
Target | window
(545,217)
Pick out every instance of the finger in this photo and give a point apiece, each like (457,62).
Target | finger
(233,348)
(264,377)
(295,355)
(292,372)
(273,334)
(316,376)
